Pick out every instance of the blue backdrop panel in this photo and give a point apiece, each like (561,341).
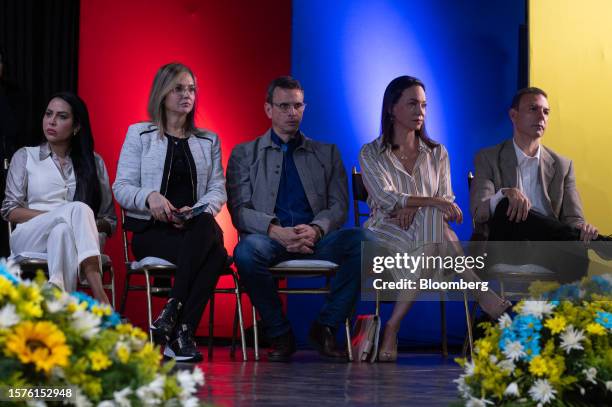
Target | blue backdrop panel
(346,52)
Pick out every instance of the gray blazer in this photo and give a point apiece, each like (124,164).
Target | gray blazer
(495,168)
(141,167)
(253,178)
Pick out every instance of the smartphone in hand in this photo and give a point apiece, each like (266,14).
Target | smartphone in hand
(195,211)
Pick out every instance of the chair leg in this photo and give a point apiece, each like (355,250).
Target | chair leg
(125,292)
(149,304)
(255,334)
(349,348)
(211,324)
(443,326)
(234,333)
(112,277)
(469,318)
(240,319)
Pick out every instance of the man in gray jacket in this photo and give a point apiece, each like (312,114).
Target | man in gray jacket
(288,197)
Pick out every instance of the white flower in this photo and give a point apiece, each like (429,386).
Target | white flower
(590,374)
(198,376)
(86,323)
(188,381)
(609,385)
(59,304)
(474,402)
(570,339)
(504,321)
(542,391)
(11,267)
(462,387)
(469,368)
(80,400)
(122,397)
(493,359)
(513,350)
(106,403)
(507,365)
(512,390)
(537,308)
(8,316)
(191,402)
(33,403)
(151,393)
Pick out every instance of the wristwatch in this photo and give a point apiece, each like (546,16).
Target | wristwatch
(319,230)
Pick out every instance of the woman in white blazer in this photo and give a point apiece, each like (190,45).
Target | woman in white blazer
(58,195)
(170,182)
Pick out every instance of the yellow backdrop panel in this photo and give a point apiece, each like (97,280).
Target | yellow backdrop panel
(571,59)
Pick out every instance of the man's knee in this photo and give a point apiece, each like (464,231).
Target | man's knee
(61,232)
(253,247)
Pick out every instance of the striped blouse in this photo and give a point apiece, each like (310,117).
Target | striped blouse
(389,186)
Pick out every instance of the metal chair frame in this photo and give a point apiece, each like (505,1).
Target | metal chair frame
(166,271)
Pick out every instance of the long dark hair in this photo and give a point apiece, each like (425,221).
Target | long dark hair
(82,153)
(392,95)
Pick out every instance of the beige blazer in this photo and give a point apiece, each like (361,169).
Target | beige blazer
(495,168)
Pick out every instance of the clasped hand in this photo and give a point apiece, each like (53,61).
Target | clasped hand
(298,239)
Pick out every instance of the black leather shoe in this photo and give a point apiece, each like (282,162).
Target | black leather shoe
(183,348)
(164,325)
(282,347)
(323,339)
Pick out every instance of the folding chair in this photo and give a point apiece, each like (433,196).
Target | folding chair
(160,270)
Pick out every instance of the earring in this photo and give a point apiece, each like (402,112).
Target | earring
(75,132)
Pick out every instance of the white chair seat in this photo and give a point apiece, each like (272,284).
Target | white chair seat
(150,261)
(525,269)
(305,264)
(27,256)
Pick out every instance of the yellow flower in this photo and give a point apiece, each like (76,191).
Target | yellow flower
(537,366)
(101,310)
(556,324)
(99,361)
(29,309)
(41,343)
(484,347)
(123,352)
(7,289)
(595,329)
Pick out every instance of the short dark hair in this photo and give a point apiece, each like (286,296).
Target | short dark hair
(516,100)
(283,82)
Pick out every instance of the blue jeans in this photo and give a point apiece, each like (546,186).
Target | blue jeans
(255,253)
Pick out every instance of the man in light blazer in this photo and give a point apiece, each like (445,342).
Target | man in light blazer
(288,198)
(523,190)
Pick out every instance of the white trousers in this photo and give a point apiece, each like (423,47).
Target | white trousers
(67,234)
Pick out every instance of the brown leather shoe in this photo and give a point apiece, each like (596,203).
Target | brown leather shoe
(323,339)
(282,347)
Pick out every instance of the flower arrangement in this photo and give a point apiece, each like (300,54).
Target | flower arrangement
(555,351)
(51,338)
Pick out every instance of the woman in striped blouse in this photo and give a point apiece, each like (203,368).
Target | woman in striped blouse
(407,176)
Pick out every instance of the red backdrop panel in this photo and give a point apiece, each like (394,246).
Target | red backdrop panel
(234,48)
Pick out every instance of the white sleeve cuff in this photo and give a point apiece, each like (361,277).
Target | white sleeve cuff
(495,200)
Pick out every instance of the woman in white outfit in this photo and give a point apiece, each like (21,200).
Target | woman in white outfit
(58,195)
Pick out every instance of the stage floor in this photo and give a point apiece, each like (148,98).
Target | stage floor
(417,379)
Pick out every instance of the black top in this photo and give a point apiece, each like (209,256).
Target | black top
(179,182)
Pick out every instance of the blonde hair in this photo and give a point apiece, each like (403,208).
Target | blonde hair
(163,83)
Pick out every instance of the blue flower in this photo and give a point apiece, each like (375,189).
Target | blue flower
(82,297)
(604,319)
(4,273)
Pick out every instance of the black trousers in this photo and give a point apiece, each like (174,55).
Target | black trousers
(570,264)
(200,257)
